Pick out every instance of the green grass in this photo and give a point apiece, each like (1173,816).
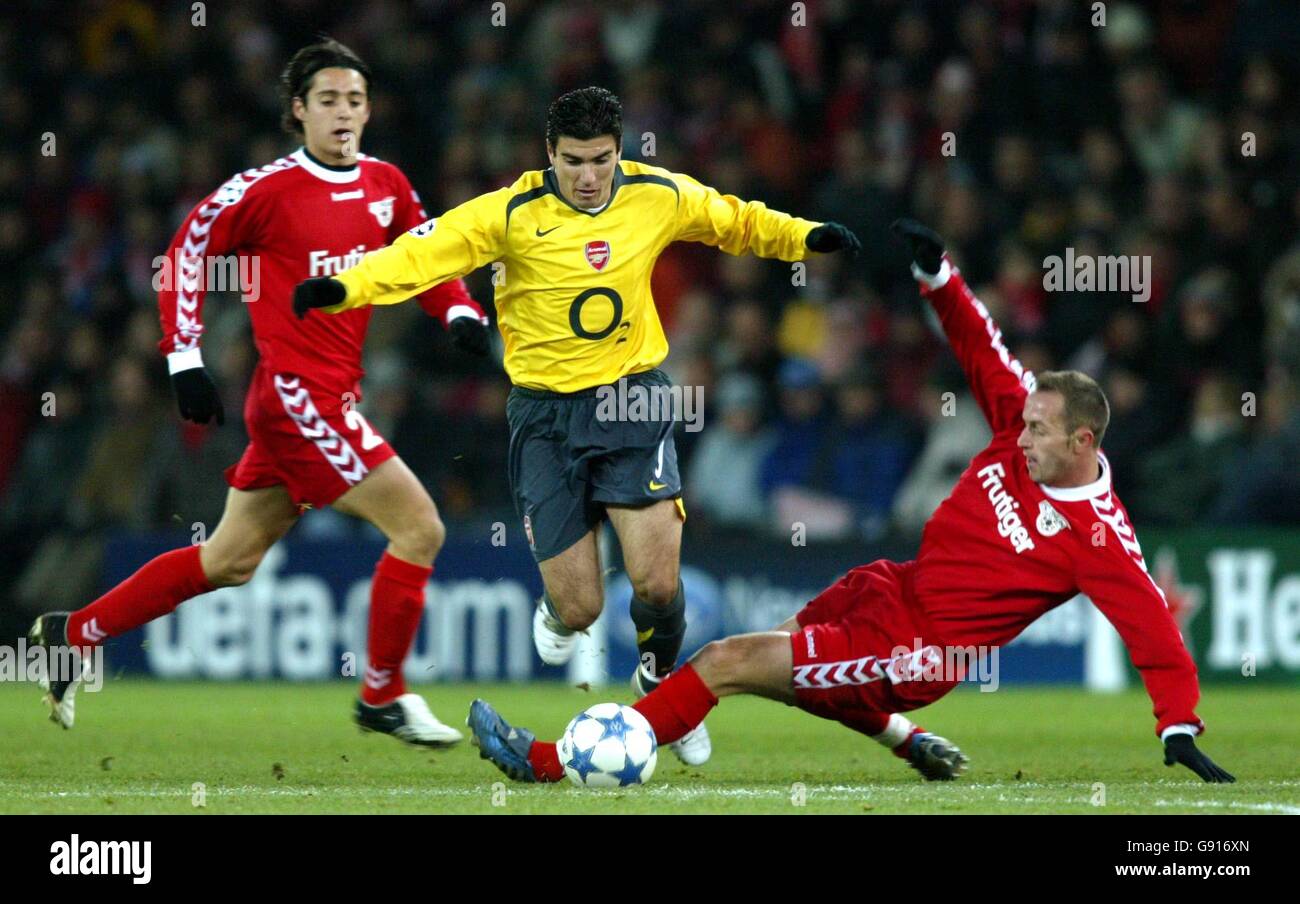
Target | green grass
(139,747)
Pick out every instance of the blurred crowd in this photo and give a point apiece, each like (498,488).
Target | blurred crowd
(1018,129)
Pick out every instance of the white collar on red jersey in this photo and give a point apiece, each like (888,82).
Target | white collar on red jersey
(1099,487)
(337,176)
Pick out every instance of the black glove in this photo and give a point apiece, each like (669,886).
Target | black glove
(318,292)
(926,244)
(833,237)
(197,396)
(1181,748)
(469,335)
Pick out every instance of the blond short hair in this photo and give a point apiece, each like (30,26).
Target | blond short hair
(1085,403)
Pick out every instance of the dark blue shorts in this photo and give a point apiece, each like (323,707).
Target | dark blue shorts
(571,454)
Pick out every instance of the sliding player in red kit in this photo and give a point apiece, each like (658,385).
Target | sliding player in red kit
(312,213)
(1032,521)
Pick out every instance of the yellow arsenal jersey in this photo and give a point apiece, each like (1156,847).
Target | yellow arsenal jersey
(573,286)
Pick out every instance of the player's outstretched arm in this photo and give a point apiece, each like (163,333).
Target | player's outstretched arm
(1112,575)
(435,252)
(997,380)
(737,227)
(830,237)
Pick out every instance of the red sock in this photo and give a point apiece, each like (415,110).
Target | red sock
(676,706)
(157,588)
(869,722)
(396,604)
(545,761)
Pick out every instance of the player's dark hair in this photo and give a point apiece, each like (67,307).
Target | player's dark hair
(585,113)
(295,80)
(1085,403)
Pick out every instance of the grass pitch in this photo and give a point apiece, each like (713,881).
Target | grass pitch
(160,747)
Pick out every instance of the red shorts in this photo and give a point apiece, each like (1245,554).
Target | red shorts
(312,442)
(865,647)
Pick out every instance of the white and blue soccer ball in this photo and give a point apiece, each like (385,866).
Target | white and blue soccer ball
(608,746)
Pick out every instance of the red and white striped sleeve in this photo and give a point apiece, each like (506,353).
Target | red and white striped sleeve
(1113,574)
(998,381)
(220,224)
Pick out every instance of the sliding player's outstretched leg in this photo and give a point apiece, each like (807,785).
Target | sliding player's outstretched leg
(750,663)
(252,522)
(392,499)
(841,658)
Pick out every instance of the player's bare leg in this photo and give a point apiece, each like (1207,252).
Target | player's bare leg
(250,525)
(573,598)
(651,539)
(392,499)
(253,522)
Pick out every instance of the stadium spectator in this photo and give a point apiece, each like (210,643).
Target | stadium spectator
(1179,482)
(723,480)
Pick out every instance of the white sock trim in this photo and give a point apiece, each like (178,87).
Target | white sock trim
(1181,728)
(462,310)
(938,280)
(186,360)
(896,732)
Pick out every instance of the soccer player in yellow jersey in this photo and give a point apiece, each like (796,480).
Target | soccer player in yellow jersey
(578,242)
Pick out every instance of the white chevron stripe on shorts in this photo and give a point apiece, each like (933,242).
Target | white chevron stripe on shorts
(837,674)
(337,450)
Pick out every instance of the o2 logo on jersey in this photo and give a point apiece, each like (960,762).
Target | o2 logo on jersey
(424,228)
(383,210)
(598,254)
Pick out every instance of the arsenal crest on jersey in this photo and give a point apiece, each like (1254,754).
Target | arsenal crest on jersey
(598,254)
(383,210)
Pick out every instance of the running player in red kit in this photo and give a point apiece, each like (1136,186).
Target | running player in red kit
(312,213)
(1033,521)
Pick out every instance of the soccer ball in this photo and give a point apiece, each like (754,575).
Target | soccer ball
(608,746)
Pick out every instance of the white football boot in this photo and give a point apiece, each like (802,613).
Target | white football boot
(555,643)
(50,631)
(693,748)
(408,719)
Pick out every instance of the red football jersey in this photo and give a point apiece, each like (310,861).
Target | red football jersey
(287,221)
(1003,549)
